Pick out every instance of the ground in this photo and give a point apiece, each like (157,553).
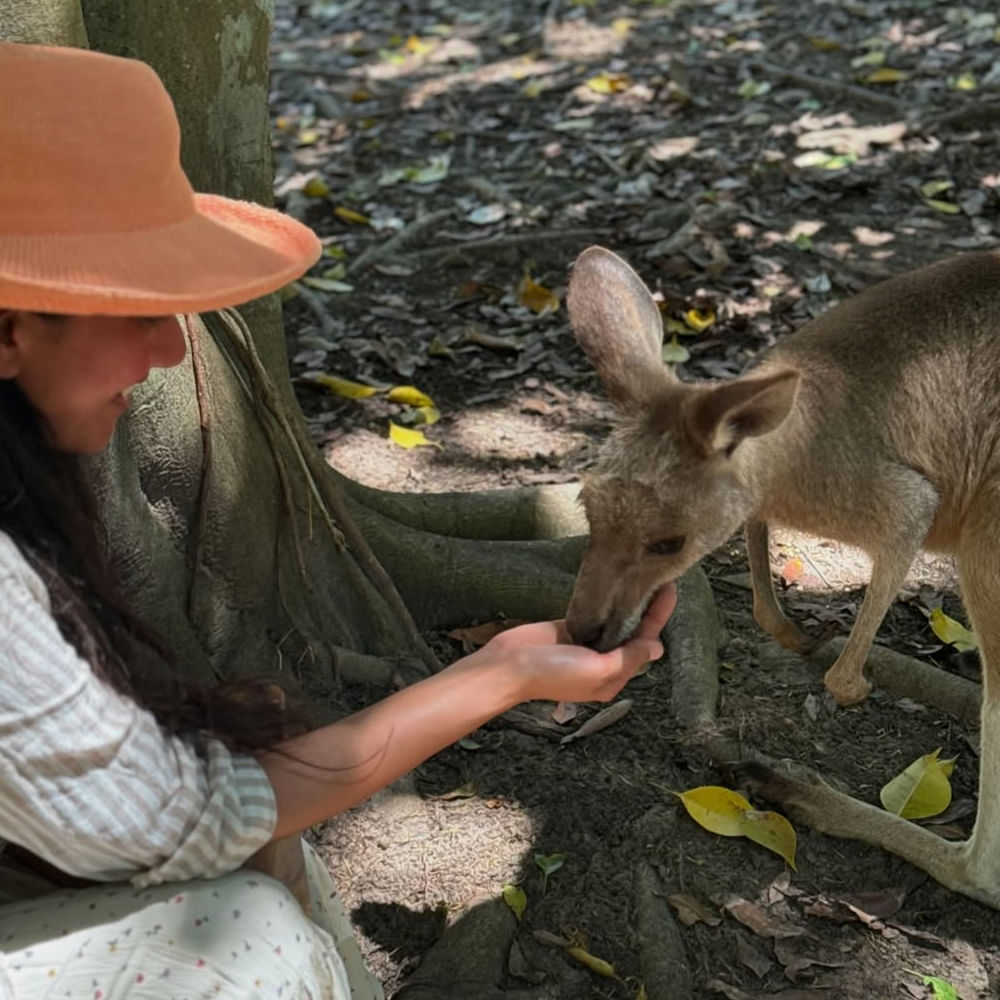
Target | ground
(756,162)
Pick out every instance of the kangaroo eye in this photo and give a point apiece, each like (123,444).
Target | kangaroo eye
(667,546)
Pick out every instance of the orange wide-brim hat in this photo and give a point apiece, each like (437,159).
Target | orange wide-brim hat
(96,214)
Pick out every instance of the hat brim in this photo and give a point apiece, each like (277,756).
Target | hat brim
(226,253)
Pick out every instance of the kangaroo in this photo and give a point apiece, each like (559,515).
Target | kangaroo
(877,424)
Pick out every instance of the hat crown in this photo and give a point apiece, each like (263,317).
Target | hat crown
(90,145)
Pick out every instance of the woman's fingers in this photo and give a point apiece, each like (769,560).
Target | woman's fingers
(659,611)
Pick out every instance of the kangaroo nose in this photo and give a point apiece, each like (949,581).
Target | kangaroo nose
(591,637)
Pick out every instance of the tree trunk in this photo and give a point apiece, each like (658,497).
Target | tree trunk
(232,535)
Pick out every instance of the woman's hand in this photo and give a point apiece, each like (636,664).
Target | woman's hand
(549,666)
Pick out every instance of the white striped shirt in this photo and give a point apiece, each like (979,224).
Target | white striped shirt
(89,781)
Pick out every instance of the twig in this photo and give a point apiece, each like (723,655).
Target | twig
(833,87)
(969,116)
(318,308)
(510,241)
(395,243)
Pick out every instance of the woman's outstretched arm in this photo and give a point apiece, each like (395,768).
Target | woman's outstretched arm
(324,772)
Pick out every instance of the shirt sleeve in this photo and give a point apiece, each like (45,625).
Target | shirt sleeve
(88,779)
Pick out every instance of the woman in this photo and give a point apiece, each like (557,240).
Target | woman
(113,770)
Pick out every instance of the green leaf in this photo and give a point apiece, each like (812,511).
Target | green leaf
(943,990)
(547,864)
(674,352)
(514,897)
(921,790)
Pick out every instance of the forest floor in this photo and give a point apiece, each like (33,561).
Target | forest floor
(756,162)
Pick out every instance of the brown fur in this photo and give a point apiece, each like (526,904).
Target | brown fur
(877,424)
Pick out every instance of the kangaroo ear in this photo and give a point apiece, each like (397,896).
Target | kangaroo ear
(617,324)
(722,416)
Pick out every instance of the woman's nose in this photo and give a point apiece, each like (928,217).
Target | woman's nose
(167,344)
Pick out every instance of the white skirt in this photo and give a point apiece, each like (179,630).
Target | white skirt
(238,937)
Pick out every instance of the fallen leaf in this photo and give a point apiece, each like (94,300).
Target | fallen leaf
(410,395)
(921,790)
(951,632)
(716,809)
(608,83)
(549,939)
(824,44)
(699,320)
(514,897)
(887,75)
(759,920)
(943,990)
(691,910)
(771,830)
(592,962)
(407,438)
(604,718)
(327,284)
(752,956)
(535,297)
(948,207)
(479,635)
(674,352)
(316,187)
(349,215)
(344,386)
(565,711)
(465,791)
(792,570)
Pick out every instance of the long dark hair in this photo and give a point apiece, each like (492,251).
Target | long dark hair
(48,510)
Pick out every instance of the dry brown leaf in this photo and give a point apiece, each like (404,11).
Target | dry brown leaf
(691,910)
(759,920)
(604,718)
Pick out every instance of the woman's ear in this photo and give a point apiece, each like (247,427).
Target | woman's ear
(10,356)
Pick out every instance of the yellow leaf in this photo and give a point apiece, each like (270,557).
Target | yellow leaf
(308,137)
(514,897)
(698,320)
(921,790)
(592,962)
(966,81)
(417,46)
(532,89)
(608,83)
(622,26)
(407,438)
(771,830)
(948,207)
(952,632)
(824,44)
(537,298)
(887,74)
(316,187)
(427,415)
(727,813)
(345,387)
(349,215)
(410,395)
(716,809)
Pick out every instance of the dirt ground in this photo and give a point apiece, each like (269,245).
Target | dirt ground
(756,162)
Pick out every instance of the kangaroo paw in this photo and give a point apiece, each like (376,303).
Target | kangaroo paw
(791,637)
(847,689)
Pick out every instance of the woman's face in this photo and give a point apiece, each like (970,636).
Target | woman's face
(78,371)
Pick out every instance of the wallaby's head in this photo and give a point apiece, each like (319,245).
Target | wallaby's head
(669,484)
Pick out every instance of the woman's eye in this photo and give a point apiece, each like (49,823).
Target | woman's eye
(667,546)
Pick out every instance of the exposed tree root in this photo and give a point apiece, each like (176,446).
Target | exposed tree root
(896,673)
(693,638)
(530,513)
